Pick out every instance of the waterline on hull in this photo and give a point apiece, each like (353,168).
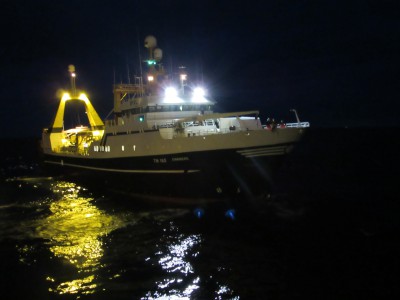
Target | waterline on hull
(122,170)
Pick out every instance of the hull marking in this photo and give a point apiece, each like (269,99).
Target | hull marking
(122,170)
(278,150)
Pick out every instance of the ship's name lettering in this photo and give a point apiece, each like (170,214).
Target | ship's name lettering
(180,158)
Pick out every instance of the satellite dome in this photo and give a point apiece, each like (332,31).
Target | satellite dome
(157,54)
(150,41)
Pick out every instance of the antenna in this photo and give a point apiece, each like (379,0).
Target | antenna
(183,78)
(127,70)
(140,58)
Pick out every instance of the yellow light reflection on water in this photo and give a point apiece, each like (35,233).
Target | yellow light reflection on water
(74,232)
(84,286)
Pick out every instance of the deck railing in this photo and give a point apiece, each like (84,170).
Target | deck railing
(298,125)
(202,132)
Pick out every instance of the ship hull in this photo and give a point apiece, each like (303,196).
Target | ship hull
(200,176)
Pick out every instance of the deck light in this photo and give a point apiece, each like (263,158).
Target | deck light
(83,97)
(198,92)
(171,95)
(65,97)
(170,92)
(198,95)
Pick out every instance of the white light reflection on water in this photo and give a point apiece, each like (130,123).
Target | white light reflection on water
(73,230)
(174,260)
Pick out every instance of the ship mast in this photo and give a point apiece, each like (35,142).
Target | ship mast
(71,70)
(153,62)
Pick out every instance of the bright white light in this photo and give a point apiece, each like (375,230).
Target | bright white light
(198,92)
(96,133)
(198,95)
(170,92)
(171,95)
(150,78)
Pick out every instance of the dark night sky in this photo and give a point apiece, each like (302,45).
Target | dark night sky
(336,62)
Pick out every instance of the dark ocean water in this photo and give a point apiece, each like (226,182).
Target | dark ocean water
(330,230)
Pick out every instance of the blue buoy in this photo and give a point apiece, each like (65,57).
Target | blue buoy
(231,214)
(199,212)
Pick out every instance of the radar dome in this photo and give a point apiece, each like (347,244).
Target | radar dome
(157,54)
(150,41)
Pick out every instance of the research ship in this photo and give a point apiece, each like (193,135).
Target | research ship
(164,136)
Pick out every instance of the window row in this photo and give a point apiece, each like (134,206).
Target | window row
(102,148)
(108,148)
